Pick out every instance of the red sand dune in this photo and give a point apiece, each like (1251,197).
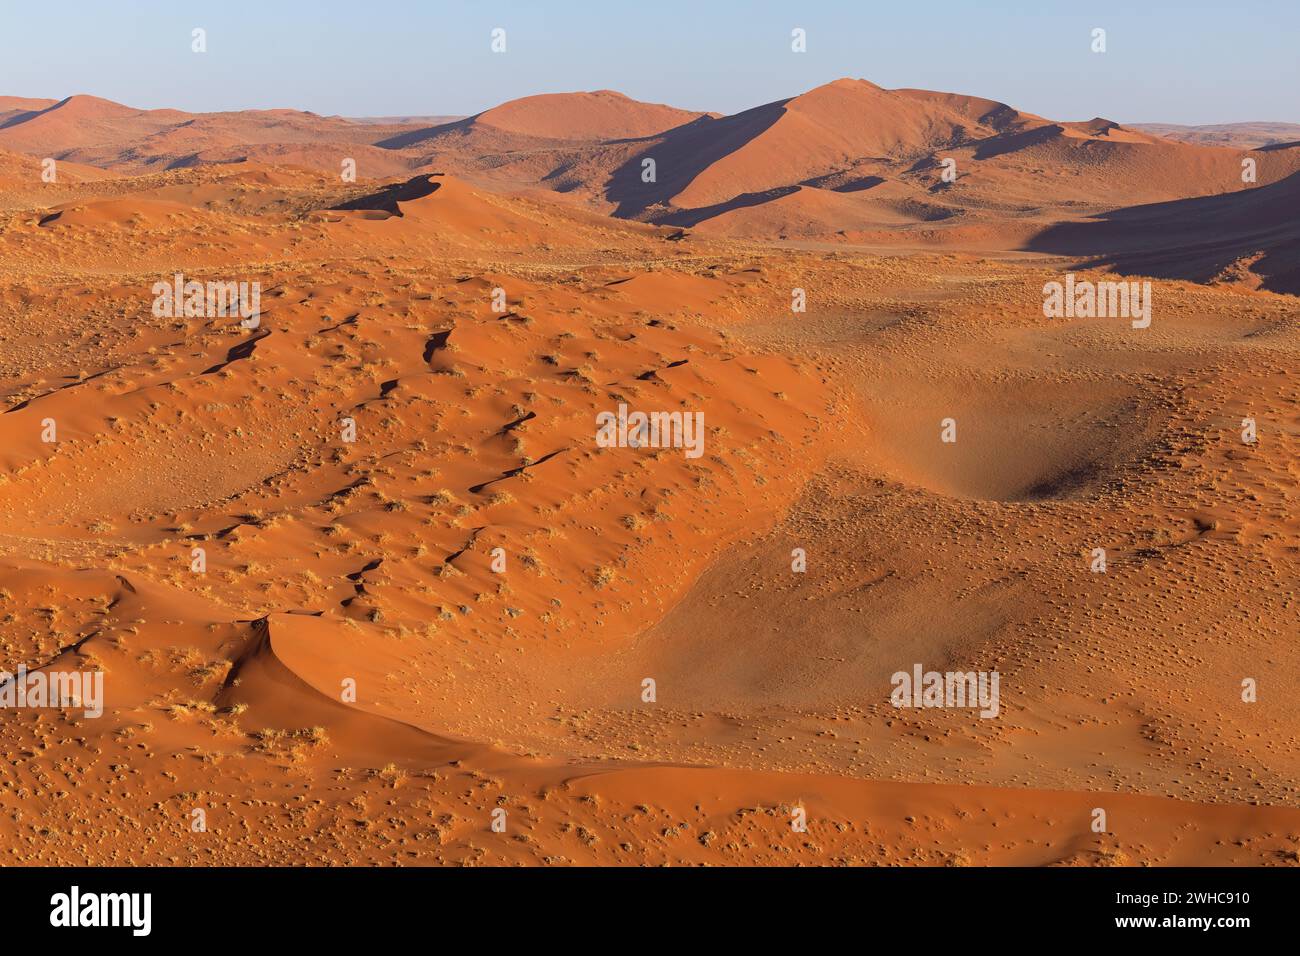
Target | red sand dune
(601,115)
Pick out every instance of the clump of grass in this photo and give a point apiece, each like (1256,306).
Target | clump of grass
(443,496)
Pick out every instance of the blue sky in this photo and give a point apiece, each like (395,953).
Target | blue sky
(1184,62)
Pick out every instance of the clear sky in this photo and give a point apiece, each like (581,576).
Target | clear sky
(1179,61)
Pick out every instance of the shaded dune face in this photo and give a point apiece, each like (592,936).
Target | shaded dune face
(1256,239)
(389,200)
(362,575)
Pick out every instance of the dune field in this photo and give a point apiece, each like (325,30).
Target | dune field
(303,450)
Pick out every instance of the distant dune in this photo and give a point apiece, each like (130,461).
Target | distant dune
(403,120)
(98,132)
(602,115)
(846,162)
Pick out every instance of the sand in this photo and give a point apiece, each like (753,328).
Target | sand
(429,600)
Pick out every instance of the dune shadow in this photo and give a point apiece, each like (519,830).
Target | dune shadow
(19,118)
(693,217)
(857,185)
(681,154)
(388,199)
(416,136)
(1194,239)
(1005,143)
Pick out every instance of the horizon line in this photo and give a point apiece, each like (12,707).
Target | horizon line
(57,101)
